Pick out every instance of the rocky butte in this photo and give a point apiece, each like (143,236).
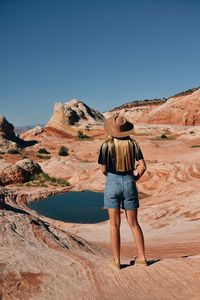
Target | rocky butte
(74,114)
(42,258)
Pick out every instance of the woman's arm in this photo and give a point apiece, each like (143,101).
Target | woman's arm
(140,169)
(104,170)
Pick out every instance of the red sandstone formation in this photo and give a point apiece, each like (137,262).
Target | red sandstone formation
(181,110)
(42,258)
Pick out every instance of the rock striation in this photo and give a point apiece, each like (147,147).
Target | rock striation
(181,110)
(74,114)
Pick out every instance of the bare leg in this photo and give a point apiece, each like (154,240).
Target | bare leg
(131,216)
(115,221)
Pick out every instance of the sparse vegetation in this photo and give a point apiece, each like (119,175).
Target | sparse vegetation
(43,178)
(163,137)
(187,92)
(195,146)
(81,136)
(63,151)
(141,102)
(43,151)
(44,156)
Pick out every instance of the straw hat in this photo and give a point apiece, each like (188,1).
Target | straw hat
(118,126)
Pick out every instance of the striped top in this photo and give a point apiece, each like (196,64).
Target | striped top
(119,155)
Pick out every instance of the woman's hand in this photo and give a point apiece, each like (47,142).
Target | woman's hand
(140,169)
(104,170)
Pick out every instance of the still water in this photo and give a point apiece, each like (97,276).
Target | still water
(74,207)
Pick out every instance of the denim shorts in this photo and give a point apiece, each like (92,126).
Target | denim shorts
(120,192)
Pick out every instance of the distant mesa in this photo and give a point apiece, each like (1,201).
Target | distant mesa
(34,131)
(21,129)
(180,109)
(8,139)
(73,115)
(183,109)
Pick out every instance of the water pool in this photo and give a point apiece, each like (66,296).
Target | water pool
(74,207)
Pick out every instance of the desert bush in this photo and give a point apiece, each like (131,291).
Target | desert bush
(41,178)
(45,156)
(63,151)
(81,136)
(53,179)
(43,151)
(195,146)
(164,136)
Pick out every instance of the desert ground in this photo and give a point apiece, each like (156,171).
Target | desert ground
(42,258)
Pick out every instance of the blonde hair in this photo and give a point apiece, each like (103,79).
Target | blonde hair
(121,152)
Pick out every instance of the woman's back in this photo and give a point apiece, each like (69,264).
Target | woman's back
(119,154)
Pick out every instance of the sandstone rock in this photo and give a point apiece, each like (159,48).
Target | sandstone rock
(8,139)
(35,131)
(13,174)
(74,114)
(181,110)
(29,166)
(4,165)
(19,172)
(6,129)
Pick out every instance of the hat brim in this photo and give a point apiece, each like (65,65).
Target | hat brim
(109,128)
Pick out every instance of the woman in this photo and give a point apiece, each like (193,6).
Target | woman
(117,156)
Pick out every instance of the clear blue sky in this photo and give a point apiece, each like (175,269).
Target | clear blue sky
(104,52)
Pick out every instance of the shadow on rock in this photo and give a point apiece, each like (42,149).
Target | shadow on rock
(150,261)
(123,266)
(24,144)
(14,209)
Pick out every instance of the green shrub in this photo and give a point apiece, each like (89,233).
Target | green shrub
(43,151)
(41,178)
(53,179)
(45,156)
(81,136)
(164,136)
(63,151)
(13,151)
(62,181)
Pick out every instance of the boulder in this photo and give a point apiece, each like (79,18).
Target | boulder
(6,130)
(19,172)
(13,174)
(29,166)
